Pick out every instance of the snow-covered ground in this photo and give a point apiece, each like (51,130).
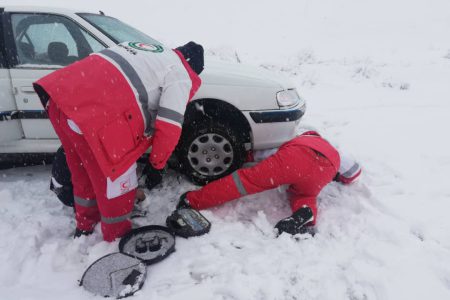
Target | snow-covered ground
(376,75)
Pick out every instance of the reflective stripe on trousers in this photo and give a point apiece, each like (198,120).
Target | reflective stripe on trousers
(113,220)
(85,202)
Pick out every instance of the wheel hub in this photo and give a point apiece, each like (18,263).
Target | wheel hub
(210,154)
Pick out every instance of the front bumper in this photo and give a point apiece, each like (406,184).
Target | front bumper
(271,128)
(276,116)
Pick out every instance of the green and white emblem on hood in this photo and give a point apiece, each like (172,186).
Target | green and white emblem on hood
(146,47)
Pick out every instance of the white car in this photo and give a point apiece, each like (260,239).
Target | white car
(237,109)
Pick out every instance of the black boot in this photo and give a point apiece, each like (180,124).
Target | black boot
(79,232)
(183,202)
(297,223)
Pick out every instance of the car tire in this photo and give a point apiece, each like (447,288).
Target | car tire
(208,151)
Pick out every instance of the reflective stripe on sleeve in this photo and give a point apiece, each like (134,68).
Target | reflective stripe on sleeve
(114,220)
(85,202)
(352,171)
(238,182)
(170,114)
(135,80)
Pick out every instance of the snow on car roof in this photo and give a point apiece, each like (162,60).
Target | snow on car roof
(47,9)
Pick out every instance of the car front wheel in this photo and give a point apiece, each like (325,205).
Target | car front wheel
(210,151)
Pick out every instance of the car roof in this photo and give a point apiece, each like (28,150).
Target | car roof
(44,9)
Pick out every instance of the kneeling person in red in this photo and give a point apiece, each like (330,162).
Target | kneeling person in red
(306,163)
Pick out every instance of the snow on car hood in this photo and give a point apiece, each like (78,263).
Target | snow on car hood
(234,74)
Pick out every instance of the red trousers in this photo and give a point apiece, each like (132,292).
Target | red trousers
(90,185)
(305,170)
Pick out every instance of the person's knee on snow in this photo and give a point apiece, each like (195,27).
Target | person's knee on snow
(61,182)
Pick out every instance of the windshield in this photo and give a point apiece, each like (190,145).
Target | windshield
(116,30)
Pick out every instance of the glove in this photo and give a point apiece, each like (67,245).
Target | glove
(153,176)
(183,202)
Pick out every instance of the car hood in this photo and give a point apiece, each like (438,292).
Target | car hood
(235,74)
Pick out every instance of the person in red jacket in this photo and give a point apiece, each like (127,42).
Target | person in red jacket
(306,163)
(107,110)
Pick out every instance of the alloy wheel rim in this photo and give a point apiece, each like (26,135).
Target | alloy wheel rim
(210,154)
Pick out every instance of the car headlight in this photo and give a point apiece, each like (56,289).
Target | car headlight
(288,98)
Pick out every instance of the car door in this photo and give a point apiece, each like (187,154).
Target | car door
(10,129)
(43,43)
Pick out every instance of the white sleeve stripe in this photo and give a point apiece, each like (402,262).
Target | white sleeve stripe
(169,121)
(353,170)
(170,114)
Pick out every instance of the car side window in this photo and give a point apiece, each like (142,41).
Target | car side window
(95,45)
(50,40)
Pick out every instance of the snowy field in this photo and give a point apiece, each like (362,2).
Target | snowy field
(376,77)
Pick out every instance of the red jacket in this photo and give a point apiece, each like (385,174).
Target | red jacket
(124,101)
(314,141)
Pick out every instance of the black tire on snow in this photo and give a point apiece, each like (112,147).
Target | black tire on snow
(193,135)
